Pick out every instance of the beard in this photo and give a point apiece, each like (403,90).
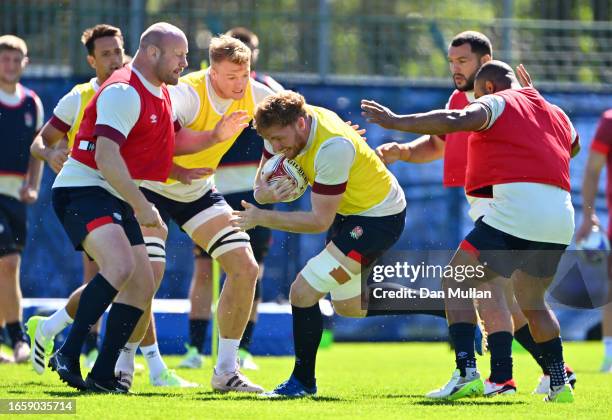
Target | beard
(166,76)
(469,84)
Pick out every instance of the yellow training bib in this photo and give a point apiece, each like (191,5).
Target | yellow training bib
(86,93)
(207,118)
(369,181)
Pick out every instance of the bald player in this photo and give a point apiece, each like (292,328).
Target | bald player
(518,155)
(127,135)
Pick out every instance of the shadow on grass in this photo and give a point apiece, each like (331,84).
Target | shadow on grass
(161,394)
(17,392)
(74,394)
(68,394)
(14,384)
(215,396)
(394,396)
(469,402)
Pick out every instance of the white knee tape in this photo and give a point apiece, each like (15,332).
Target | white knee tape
(227,239)
(156,248)
(318,273)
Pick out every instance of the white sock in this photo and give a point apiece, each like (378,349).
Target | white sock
(125,362)
(228,353)
(154,360)
(607,346)
(56,323)
(471,373)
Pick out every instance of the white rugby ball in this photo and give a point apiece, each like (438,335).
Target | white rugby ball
(281,167)
(595,246)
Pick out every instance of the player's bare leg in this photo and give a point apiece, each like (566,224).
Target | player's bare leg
(246,359)
(10,305)
(200,297)
(236,299)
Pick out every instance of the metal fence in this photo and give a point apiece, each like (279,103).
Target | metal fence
(323,39)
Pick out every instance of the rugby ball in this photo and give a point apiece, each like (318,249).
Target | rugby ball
(595,247)
(281,167)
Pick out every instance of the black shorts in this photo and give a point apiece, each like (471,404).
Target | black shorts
(83,209)
(261,237)
(178,211)
(504,253)
(13,225)
(365,239)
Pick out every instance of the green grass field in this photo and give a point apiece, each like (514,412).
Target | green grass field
(355,381)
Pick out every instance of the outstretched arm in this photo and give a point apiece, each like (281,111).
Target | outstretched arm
(441,121)
(421,150)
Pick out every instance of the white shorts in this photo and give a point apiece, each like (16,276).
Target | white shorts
(191,215)
(535,212)
(478,206)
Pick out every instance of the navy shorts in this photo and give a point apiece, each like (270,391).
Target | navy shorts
(364,239)
(178,211)
(261,237)
(504,253)
(83,209)
(13,225)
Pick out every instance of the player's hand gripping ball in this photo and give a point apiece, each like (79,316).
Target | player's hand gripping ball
(279,167)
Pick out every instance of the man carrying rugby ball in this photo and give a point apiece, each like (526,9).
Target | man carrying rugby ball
(354,198)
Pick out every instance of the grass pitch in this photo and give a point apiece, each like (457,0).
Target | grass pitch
(355,381)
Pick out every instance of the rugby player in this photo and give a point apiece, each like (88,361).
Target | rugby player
(519,156)
(234,179)
(354,198)
(105,54)
(502,316)
(21,117)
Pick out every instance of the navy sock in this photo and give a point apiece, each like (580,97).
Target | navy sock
(95,298)
(91,342)
(122,320)
(15,332)
(197,333)
(462,336)
(525,339)
(307,332)
(247,336)
(500,347)
(552,351)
